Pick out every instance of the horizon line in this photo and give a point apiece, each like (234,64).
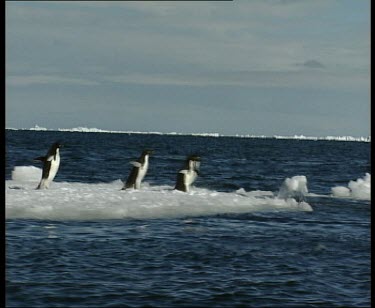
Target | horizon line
(208,134)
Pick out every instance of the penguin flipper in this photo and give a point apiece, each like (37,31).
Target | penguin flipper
(40,158)
(136,164)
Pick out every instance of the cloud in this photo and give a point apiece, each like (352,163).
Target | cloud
(182,50)
(292,78)
(158,36)
(311,64)
(47,79)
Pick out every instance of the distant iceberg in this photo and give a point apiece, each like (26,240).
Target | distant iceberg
(36,127)
(334,138)
(82,129)
(85,130)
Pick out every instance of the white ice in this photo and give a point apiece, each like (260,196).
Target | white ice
(26,174)
(359,189)
(83,201)
(295,187)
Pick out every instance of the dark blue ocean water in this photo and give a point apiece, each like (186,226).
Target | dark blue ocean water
(318,258)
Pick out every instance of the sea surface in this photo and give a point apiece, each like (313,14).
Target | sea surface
(240,238)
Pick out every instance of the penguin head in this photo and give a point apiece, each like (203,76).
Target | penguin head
(194,157)
(55,146)
(193,162)
(147,152)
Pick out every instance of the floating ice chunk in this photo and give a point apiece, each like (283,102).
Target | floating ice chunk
(295,187)
(26,174)
(83,201)
(359,189)
(340,191)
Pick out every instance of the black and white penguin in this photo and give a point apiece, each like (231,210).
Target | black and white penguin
(189,173)
(51,163)
(138,171)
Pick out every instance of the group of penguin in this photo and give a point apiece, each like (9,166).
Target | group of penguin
(185,177)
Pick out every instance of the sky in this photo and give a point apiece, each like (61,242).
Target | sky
(260,67)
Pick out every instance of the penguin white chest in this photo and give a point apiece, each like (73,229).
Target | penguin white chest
(54,160)
(55,163)
(142,170)
(189,178)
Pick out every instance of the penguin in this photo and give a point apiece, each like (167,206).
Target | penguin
(138,171)
(189,173)
(51,163)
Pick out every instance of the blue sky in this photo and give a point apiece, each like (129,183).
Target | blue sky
(261,67)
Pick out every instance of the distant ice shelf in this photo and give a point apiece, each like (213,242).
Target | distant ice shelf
(295,137)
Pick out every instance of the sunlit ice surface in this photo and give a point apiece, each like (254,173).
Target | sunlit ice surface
(84,201)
